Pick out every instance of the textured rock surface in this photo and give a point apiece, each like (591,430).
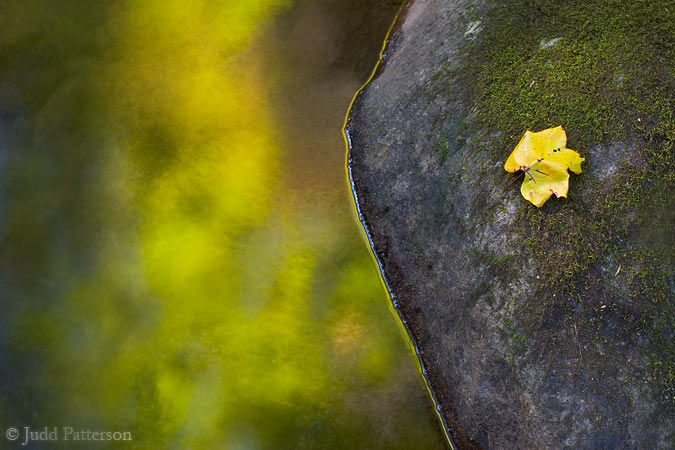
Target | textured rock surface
(539,328)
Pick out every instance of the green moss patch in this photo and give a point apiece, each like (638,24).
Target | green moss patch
(609,73)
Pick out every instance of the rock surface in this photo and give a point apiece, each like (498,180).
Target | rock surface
(539,328)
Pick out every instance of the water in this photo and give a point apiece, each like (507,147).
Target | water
(179,256)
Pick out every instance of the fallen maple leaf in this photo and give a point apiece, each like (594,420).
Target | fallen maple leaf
(544,159)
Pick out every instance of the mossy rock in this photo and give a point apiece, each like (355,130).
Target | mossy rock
(542,327)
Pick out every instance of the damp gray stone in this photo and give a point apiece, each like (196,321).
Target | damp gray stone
(518,355)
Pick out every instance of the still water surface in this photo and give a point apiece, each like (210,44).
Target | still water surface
(179,256)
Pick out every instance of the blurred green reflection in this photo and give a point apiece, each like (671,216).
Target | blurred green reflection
(179,257)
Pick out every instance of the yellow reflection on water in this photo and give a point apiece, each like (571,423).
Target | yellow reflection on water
(162,276)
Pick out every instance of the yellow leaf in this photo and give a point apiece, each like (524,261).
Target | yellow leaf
(567,157)
(544,158)
(547,178)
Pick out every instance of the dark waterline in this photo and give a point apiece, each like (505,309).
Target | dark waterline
(392,297)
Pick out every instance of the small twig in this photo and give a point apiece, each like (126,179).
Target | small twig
(578,344)
(507,186)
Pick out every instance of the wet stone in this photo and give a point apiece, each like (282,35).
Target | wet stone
(542,327)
